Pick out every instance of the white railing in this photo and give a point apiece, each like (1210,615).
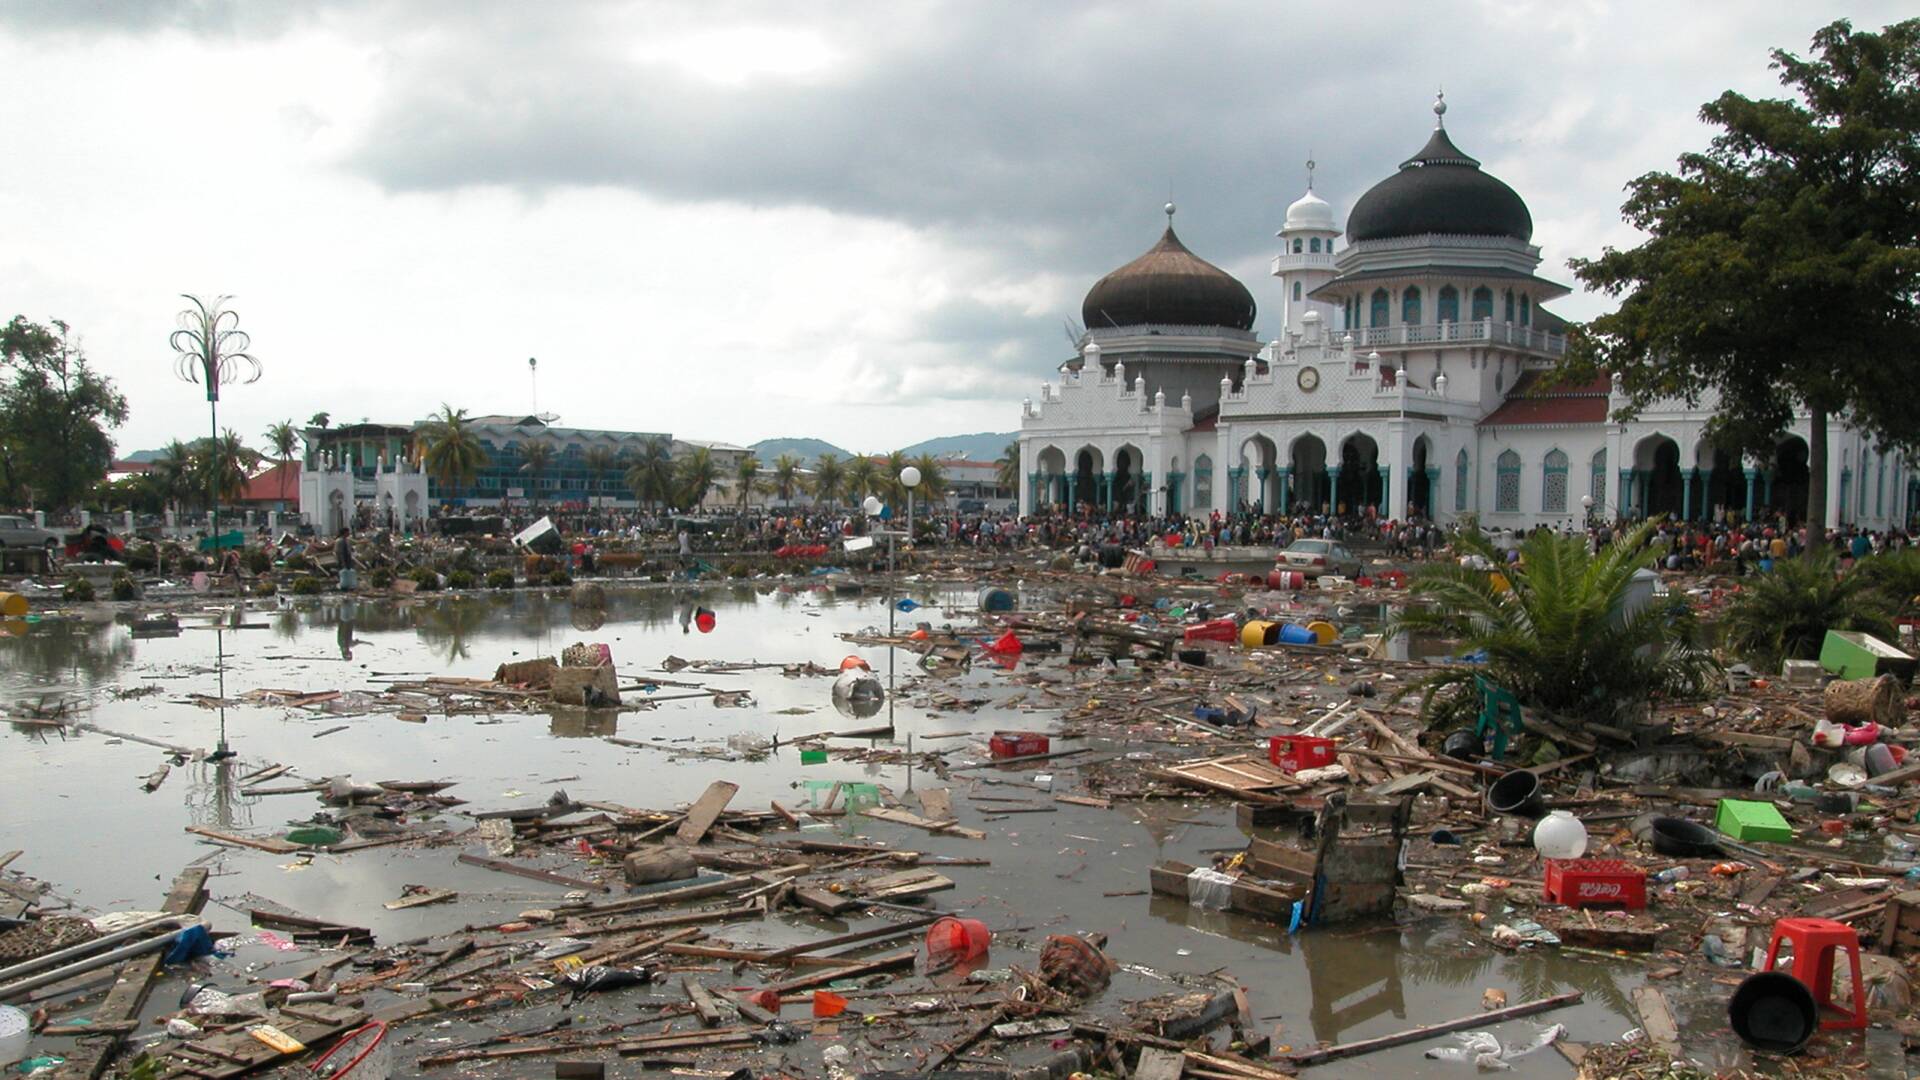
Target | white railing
(1493,333)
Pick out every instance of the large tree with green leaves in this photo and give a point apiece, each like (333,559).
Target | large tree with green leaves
(55,415)
(829,478)
(450,449)
(1782,264)
(694,476)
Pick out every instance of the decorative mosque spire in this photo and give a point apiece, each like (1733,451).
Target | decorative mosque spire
(1440,110)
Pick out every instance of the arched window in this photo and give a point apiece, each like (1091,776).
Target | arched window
(1448,308)
(1482,303)
(1313,245)
(1597,487)
(1509,305)
(1553,483)
(1378,316)
(1506,483)
(1202,482)
(1410,305)
(1526,312)
(1462,473)
(1296,291)
(1296,245)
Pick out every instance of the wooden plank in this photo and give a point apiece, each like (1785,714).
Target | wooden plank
(876,933)
(826,901)
(278,847)
(705,811)
(1656,1019)
(1158,1064)
(704,1005)
(419,899)
(937,803)
(134,983)
(504,867)
(7,859)
(907,817)
(1428,1031)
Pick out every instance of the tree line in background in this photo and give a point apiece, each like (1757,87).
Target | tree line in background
(56,413)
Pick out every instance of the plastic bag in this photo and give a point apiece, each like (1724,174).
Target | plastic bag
(592,980)
(1483,1050)
(1208,889)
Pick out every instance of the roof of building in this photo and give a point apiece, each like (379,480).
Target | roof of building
(1206,419)
(1310,211)
(1440,190)
(1531,403)
(279,482)
(1169,285)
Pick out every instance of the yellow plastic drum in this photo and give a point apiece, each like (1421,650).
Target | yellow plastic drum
(1325,633)
(1259,632)
(12,605)
(1500,582)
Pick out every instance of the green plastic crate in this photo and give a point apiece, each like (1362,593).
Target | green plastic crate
(1749,821)
(813,757)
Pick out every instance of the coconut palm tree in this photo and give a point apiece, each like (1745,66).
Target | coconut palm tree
(657,465)
(829,478)
(321,420)
(449,449)
(696,475)
(1007,469)
(282,438)
(536,459)
(891,489)
(600,460)
(173,473)
(934,482)
(863,477)
(786,477)
(1785,614)
(1555,628)
(224,465)
(746,478)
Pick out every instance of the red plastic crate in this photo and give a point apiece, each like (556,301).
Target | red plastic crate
(1006,744)
(1292,753)
(1596,883)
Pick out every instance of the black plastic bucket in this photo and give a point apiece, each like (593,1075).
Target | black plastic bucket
(1517,793)
(1773,1011)
(1684,839)
(1463,745)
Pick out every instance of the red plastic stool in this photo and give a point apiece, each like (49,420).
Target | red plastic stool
(1814,941)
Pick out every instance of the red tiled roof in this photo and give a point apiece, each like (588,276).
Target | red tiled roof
(1568,403)
(267,486)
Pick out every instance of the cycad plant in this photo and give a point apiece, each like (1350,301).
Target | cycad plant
(1555,628)
(1785,614)
(1895,575)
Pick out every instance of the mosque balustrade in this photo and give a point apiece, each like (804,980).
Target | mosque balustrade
(1485,331)
(1103,397)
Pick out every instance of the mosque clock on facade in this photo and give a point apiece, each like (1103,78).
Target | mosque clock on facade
(1309,379)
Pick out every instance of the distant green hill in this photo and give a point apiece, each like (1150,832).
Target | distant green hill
(804,449)
(980,446)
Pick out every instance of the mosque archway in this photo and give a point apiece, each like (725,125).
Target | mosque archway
(1128,489)
(1050,485)
(1259,480)
(1360,481)
(1422,479)
(1657,483)
(1307,473)
(1084,484)
(1788,478)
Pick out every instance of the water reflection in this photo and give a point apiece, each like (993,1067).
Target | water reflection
(67,652)
(583,723)
(213,796)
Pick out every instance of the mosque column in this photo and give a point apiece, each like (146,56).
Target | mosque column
(1106,487)
(1173,492)
(1389,497)
(1032,501)
(1767,479)
(1235,492)
(1286,474)
(1752,476)
(1433,493)
(1264,473)
(1144,497)
(1686,492)
(1623,503)
(1073,492)
(1333,489)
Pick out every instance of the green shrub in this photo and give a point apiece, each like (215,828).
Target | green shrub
(499,579)
(1785,614)
(78,590)
(265,587)
(259,560)
(460,579)
(124,588)
(308,585)
(381,578)
(559,577)
(298,561)
(426,579)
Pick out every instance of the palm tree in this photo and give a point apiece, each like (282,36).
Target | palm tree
(863,477)
(1785,614)
(933,479)
(173,472)
(786,477)
(891,489)
(600,460)
(222,466)
(1007,474)
(536,457)
(282,438)
(746,478)
(829,478)
(1895,575)
(449,449)
(1555,628)
(320,420)
(656,466)
(696,475)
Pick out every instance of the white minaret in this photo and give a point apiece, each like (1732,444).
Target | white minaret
(1305,261)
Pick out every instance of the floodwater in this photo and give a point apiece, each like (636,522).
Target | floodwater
(74,803)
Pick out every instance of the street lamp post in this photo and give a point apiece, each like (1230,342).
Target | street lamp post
(210,348)
(910,479)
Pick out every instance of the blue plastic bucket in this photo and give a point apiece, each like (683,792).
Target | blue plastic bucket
(1293,634)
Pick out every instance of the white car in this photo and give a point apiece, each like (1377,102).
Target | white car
(19,532)
(1316,557)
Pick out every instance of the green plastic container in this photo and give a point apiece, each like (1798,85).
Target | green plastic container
(813,757)
(316,836)
(1750,821)
(1853,655)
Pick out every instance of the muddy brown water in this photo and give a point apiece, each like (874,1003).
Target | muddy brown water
(75,806)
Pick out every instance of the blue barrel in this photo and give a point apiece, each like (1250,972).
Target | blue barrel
(1295,634)
(995,599)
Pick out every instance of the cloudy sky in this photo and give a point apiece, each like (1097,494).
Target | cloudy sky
(868,222)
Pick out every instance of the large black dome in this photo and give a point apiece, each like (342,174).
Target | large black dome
(1439,190)
(1170,285)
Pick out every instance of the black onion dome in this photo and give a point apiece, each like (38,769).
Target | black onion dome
(1170,285)
(1439,190)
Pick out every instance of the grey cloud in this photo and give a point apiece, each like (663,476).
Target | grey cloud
(217,18)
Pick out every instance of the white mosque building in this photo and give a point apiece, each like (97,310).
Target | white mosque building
(1406,377)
